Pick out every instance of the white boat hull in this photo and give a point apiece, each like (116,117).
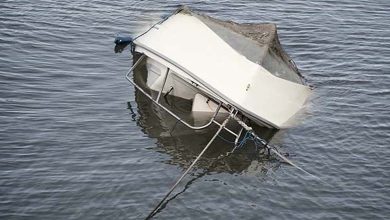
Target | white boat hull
(176,85)
(205,63)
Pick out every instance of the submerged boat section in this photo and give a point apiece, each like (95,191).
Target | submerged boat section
(243,66)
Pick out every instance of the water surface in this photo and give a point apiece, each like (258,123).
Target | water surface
(71,149)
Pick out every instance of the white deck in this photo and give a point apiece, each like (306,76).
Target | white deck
(187,46)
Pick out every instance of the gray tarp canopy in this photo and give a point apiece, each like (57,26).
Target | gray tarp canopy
(257,42)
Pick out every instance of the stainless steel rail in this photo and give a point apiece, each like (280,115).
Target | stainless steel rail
(212,120)
(232,114)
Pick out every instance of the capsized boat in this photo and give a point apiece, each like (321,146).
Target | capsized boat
(222,66)
(239,71)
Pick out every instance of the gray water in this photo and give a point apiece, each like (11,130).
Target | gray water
(71,149)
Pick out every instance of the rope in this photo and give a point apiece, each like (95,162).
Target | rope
(158,22)
(269,147)
(226,140)
(233,142)
(155,210)
(249,135)
(275,151)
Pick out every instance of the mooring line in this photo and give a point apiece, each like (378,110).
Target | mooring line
(155,210)
(290,162)
(250,129)
(206,171)
(285,159)
(250,132)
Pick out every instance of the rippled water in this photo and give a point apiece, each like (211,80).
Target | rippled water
(71,149)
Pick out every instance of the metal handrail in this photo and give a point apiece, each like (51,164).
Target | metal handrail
(163,107)
(221,127)
(162,87)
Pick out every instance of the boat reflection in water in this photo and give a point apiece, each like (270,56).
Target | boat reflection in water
(184,144)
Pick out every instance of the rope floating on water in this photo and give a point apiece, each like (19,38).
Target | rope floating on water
(249,135)
(269,147)
(155,210)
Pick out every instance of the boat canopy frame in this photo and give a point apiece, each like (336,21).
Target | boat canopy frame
(232,111)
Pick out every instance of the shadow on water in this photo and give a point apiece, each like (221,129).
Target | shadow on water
(184,144)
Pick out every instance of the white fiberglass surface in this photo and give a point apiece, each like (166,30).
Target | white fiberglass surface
(188,42)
